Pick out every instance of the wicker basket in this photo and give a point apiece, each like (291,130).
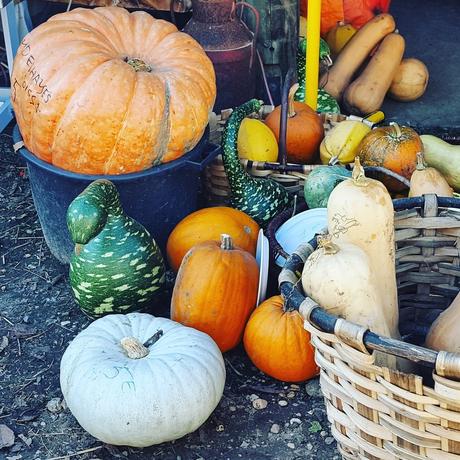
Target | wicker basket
(375,412)
(291,176)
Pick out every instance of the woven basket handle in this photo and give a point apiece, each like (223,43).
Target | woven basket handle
(289,80)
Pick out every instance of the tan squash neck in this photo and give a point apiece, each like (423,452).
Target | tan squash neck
(135,349)
(358,176)
(420,162)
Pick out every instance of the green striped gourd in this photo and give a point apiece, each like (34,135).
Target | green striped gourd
(261,199)
(117,266)
(326,103)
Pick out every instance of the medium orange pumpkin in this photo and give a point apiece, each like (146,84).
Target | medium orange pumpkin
(216,291)
(304,133)
(394,147)
(103,91)
(208,224)
(354,12)
(277,343)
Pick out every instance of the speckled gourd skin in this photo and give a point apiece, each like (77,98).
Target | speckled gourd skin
(117,267)
(326,103)
(261,199)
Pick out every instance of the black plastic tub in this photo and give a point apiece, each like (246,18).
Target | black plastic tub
(158,197)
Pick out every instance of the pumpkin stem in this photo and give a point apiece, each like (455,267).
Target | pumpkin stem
(325,242)
(292,91)
(133,348)
(138,64)
(358,176)
(154,339)
(420,162)
(397,129)
(226,242)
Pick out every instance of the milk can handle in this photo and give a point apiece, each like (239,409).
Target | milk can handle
(256,28)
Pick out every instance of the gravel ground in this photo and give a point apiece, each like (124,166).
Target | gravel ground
(38,318)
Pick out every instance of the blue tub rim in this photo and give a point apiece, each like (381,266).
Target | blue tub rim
(185,159)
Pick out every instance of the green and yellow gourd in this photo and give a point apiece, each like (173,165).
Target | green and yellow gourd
(117,267)
(326,103)
(261,199)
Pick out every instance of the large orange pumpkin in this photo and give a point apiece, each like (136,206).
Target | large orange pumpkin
(277,343)
(216,291)
(103,91)
(394,147)
(208,224)
(354,12)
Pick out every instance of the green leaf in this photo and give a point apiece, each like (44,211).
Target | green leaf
(315,427)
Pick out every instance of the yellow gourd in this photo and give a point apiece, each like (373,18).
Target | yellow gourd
(341,278)
(256,141)
(426,180)
(342,141)
(444,332)
(360,212)
(339,36)
(444,157)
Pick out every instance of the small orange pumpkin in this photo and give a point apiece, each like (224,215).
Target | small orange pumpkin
(277,343)
(304,133)
(216,291)
(394,147)
(208,224)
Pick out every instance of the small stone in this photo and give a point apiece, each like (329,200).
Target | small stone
(291,445)
(125,453)
(309,446)
(26,256)
(253,397)
(65,323)
(259,404)
(291,395)
(295,420)
(42,424)
(3,343)
(6,436)
(323,433)
(220,428)
(275,429)
(313,389)
(232,408)
(295,387)
(283,403)
(329,440)
(25,440)
(54,405)
(25,319)
(14,457)
(244,445)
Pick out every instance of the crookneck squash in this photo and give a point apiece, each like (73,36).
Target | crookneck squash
(117,267)
(261,199)
(105,91)
(326,103)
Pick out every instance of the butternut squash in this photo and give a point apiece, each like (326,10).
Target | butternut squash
(355,53)
(340,277)
(410,80)
(428,180)
(366,94)
(360,212)
(444,333)
(444,157)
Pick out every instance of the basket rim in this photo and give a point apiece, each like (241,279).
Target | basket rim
(446,364)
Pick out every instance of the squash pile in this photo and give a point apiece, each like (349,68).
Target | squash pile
(369,65)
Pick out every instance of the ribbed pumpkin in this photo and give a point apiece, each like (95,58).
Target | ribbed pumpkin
(277,343)
(394,147)
(208,224)
(103,91)
(216,291)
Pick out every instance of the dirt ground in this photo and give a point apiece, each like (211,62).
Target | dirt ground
(38,318)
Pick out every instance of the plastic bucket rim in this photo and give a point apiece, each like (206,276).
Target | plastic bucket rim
(186,158)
